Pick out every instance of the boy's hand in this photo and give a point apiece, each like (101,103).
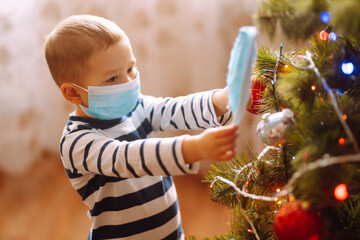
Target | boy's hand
(216,144)
(220,101)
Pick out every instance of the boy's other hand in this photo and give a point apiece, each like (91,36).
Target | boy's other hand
(216,144)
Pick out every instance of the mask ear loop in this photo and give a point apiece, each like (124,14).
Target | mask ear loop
(81,106)
(80,87)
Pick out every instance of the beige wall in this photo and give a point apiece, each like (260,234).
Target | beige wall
(182,46)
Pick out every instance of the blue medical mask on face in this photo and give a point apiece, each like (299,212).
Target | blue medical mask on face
(111,102)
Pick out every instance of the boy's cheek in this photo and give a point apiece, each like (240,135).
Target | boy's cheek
(84,100)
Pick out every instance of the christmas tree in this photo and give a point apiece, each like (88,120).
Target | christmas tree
(305,184)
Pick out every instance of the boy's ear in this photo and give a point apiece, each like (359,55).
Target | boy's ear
(69,92)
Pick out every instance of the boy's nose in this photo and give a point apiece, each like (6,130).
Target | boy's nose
(133,76)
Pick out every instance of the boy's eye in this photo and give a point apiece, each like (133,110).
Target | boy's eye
(112,79)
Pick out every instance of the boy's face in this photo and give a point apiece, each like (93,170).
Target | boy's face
(114,65)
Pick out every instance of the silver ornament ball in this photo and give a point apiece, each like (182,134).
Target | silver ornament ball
(272,128)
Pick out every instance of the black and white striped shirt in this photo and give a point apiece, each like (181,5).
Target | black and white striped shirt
(123,173)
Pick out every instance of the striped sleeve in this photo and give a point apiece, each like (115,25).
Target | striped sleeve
(195,112)
(87,151)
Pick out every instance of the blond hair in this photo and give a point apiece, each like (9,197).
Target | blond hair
(73,41)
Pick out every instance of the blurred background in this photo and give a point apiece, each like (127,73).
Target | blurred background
(181,46)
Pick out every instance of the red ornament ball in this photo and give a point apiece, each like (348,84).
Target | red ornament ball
(297,221)
(257,88)
(340,192)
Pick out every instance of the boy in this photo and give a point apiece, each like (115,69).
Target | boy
(108,147)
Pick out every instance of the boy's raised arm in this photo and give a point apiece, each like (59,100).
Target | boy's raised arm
(220,101)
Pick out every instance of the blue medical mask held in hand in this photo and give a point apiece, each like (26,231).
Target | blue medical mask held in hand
(111,102)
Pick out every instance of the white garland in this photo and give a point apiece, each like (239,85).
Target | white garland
(326,161)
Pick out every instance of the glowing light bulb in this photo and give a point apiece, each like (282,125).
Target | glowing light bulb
(325,16)
(278,190)
(313,87)
(344,116)
(332,36)
(324,35)
(250,231)
(339,92)
(341,141)
(347,68)
(341,192)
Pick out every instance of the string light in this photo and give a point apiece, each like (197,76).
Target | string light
(324,35)
(249,230)
(289,187)
(347,129)
(341,141)
(339,92)
(278,190)
(340,192)
(325,17)
(347,68)
(248,219)
(344,116)
(265,75)
(313,87)
(332,37)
